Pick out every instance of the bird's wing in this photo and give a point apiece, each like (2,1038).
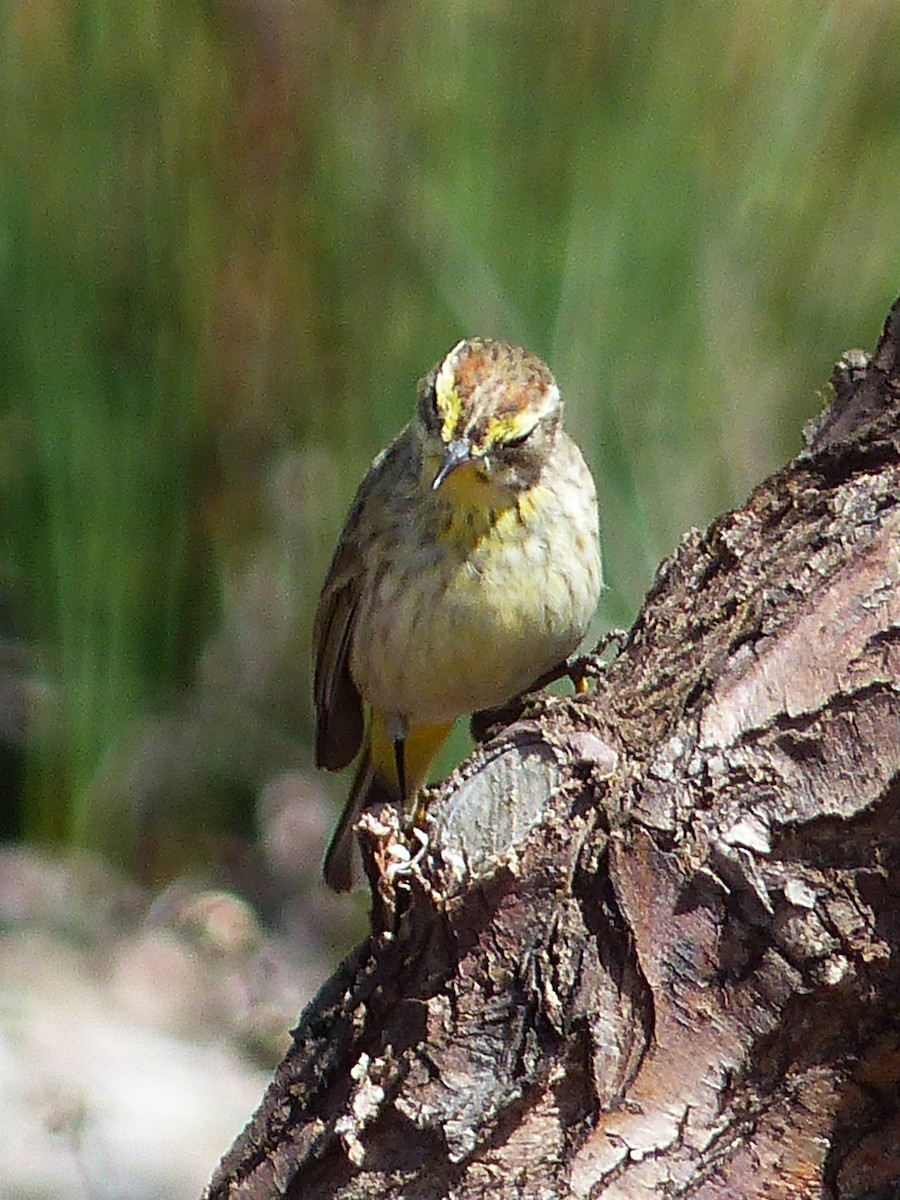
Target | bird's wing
(339,706)
(340,721)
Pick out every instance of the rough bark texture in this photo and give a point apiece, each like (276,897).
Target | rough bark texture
(653,948)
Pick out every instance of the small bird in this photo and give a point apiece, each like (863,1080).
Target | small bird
(468,567)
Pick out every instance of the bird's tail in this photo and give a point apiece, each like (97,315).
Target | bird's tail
(375,782)
(339,868)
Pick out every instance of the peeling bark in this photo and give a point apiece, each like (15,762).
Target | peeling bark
(653,946)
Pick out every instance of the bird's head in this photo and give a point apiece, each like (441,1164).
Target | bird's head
(490,414)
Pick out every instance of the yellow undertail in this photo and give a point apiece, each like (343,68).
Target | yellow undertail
(376,782)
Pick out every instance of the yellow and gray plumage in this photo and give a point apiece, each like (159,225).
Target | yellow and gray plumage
(468,567)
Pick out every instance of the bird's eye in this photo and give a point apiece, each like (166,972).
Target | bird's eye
(511,443)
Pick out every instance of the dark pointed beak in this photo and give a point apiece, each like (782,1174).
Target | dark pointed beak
(456,454)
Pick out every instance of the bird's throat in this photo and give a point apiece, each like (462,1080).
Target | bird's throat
(476,510)
(467,488)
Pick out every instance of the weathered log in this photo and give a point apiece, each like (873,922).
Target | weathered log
(654,945)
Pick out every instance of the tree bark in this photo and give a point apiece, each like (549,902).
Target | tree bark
(654,945)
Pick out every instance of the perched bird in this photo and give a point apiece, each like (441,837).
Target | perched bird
(468,567)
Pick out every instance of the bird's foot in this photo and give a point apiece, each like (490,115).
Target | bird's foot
(579,670)
(592,665)
(406,856)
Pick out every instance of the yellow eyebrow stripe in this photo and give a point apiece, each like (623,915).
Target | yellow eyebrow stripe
(447,399)
(518,423)
(508,428)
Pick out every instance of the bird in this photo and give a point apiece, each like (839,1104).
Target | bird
(468,567)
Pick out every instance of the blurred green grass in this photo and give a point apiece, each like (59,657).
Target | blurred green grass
(232,238)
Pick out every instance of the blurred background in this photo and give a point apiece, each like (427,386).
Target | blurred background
(232,237)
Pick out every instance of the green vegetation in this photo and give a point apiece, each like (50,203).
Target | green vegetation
(232,237)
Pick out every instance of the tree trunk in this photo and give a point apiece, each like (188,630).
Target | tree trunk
(652,949)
